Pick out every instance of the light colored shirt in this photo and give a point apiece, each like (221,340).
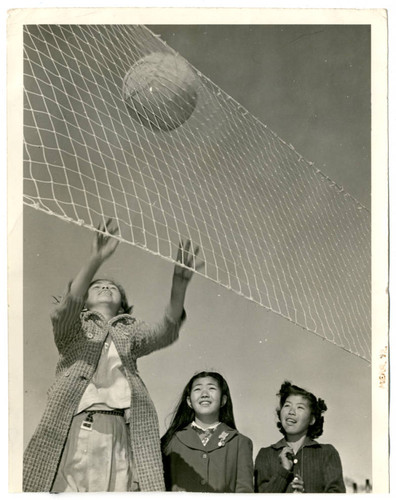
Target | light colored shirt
(108,388)
(204,434)
(213,426)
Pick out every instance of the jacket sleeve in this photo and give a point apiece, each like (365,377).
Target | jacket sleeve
(244,481)
(334,482)
(266,481)
(165,464)
(66,320)
(149,338)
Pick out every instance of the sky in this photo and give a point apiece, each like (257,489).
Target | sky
(310,85)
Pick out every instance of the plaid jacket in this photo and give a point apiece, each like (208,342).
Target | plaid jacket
(79,337)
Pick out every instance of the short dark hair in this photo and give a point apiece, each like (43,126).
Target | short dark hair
(126,308)
(317,406)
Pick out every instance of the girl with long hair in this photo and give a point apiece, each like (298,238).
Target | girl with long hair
(202,449)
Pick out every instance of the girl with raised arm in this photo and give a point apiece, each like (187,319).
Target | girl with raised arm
(99,431)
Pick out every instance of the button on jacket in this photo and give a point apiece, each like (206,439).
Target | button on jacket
(318,464)
(79,337)
(223,465)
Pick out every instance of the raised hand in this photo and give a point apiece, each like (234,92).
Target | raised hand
(286,458)
(187,256)
(103,245)
(182,276)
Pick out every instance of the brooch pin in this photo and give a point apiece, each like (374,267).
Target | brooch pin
(222,438)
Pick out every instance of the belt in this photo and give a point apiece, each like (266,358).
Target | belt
(105,412)
(88,421)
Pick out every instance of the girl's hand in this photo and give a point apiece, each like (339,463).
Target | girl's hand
(104,246)
(182,277)
(286,458)
(297,484)
(189,259)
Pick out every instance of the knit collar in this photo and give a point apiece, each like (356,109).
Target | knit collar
(283,443)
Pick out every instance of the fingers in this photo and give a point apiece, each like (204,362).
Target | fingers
(187,255)
(179,255)
(187,246)
(104,243)
(286,457)
(286,451)
(298,484)
(106,228)
(111,230)
(199,266)
(183,251)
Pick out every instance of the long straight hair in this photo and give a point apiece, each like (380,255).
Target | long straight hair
(183,415)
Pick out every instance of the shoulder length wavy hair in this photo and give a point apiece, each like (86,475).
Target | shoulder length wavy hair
(317,405)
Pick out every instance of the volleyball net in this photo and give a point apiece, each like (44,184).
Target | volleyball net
(270,226)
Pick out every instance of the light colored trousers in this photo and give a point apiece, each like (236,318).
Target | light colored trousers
(98,459)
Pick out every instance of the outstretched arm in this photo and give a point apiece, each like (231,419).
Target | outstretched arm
(103,246)
(148,338)
(66,316)
(181,277)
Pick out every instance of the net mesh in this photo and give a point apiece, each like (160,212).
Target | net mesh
(270,226)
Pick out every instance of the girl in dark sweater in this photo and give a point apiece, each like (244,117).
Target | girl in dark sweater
(297,463)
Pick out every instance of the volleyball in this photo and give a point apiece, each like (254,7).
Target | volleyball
(160,91)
